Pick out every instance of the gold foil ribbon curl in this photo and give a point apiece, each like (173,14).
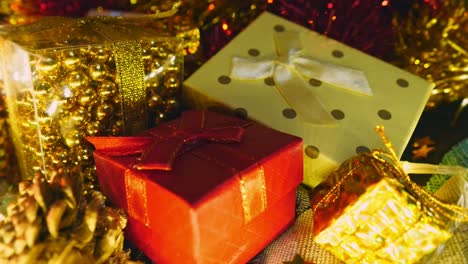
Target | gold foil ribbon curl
(388,159)
(433,45)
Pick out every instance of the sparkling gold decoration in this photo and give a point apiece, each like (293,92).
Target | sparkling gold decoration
(8,165)
(51,222)
(394,228)
(369,211)
(422,152)
(433,44)
(423,141)
(16,12)
(69,91)
(422,147)
(185,25)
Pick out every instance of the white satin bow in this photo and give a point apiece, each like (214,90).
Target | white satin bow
(290,69)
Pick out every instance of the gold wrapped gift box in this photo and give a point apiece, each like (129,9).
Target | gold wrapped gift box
(369,211)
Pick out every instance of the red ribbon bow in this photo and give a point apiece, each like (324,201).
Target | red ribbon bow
(160,154)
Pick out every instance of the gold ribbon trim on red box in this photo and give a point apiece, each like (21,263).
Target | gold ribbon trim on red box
(158,153)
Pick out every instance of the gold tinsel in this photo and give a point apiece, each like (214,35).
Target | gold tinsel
(432,43)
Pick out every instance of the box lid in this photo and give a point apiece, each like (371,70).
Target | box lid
(61,32)
(202,169)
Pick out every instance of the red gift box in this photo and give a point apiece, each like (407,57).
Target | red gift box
(204,188)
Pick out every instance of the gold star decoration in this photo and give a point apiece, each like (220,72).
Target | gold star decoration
(422,152)
(423,141)
(422,147)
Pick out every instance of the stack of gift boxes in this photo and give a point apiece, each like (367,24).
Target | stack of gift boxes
(278,106)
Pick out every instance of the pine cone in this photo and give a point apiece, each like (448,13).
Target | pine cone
(52,222)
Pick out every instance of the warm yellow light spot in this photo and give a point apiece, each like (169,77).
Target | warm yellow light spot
(270,1)
(133,2)
(385,3)
(333,17)
(447,90)
(426,65)
(432,22)
(225,26)
(417,61)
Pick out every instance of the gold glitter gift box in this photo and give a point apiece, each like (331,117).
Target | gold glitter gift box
(369,211)
(70,78)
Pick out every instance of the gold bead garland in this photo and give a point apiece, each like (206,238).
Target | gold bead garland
(8,170)
(76,94)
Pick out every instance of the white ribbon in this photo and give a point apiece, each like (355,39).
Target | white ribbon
(290,69)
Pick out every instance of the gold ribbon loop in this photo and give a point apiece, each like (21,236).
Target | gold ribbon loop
(450,211)
(389,167)
(290,69)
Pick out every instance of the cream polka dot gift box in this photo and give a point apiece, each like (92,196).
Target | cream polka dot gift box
(300,82)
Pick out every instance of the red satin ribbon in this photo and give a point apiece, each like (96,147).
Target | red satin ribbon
(160,154)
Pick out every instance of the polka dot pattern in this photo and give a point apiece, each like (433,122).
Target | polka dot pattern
(253,52)
(337,54)
(241,113)
(289,113)
(279,28)
(338,114)
(312,152)
(223,79)
(362,149)
(402,83)
(384,114)
(269,81)
(315,82)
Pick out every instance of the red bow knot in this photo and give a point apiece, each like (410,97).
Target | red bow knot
(159,153)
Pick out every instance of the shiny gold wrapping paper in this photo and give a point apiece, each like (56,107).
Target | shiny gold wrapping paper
(385,225)
(369,211)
